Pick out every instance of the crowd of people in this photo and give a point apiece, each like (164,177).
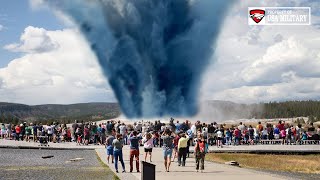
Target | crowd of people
(174,143)
(174,137)
(31,132)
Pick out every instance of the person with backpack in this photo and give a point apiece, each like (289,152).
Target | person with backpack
(200,152)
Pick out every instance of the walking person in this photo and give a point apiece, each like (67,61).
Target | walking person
(175,147)
(200,152)
(134,150)
(167,148)
(182,149)
(117,152)
(148,145)
(109,146)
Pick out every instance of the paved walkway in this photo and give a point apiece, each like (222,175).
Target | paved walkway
(212,170)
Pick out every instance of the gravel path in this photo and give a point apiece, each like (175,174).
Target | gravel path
(29,164)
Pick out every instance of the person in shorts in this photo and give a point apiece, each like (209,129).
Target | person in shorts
(148,145)
(109,146)
(167,148)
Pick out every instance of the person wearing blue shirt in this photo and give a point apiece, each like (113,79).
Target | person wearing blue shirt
(178,127)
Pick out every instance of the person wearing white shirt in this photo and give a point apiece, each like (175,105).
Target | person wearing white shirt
(219,138)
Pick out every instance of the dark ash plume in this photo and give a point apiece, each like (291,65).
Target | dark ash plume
(153,52)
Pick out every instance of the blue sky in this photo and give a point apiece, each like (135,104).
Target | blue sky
(15,16)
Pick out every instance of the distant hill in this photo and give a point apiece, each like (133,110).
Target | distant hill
(11,112)
(209,110)
(225,110)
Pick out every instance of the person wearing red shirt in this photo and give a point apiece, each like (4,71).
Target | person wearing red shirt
(200,152)
(18,131)
(281,125)
(236,136)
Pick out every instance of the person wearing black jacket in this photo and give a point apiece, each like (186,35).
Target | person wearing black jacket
(211,131)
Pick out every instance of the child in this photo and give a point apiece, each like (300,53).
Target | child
(283,136)
(304,136)
(79,140)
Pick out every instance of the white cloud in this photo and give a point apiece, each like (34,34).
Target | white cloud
(252,63)
(265,63)
(35,4)
(34,40)
(67,73)
(1,27)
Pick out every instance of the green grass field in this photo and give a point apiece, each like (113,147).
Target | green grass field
(288,163)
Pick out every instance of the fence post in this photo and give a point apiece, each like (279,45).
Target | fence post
(148,171)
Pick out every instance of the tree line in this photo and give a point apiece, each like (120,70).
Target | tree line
(291,109)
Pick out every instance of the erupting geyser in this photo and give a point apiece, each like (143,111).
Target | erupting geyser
(153,52)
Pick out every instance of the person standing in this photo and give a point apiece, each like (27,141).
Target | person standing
(167,148)
(175,146)
(35,133)
(86,134)
(117,150)
(182,149)
(109,146)
(219,138)
(94,130)
(74,128)
(134,150)
(9,130)
(28,130)
(148,145)
(237,136)
(200,152)
(3,131)
(123,132)
(23,130)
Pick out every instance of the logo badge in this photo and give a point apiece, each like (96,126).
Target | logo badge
(257,15)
